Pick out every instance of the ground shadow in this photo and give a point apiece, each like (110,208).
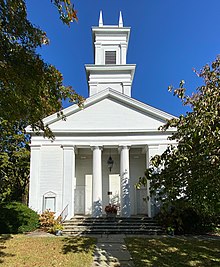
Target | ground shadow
(3,240)
(175,252)
(78,244)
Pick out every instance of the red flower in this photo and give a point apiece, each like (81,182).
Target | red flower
(111,208)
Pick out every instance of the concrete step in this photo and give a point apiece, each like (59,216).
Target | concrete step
(118,225)
(113,231)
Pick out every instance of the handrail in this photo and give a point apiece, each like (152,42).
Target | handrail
(64,213)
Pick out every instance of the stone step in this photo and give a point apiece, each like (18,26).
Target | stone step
(83,228)
(113,231)
(138,224)
(117,218)
(118,225)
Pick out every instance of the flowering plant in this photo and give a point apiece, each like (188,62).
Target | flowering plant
(111,208)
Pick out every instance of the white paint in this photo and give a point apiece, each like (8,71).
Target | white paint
(88,194)
(100,19)
(97,182)
(142,202)
(120,22)
(80,200)
(125,182)
(108,114)
(51,175)
(68,179)
(115,189)
(34,181)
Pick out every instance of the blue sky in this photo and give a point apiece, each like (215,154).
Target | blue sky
(168,39)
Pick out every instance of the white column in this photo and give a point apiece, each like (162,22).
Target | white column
(68,180)
(125,182)
(151,151)
(97,182)
(123,53)
(34,197)
(127,88)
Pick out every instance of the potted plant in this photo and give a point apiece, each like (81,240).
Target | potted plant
(57,229)
(111,210)
(170,230)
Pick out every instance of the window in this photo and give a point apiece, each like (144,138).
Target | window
(110,57)
(49,201)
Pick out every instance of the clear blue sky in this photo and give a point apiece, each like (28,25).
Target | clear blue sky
(168,39)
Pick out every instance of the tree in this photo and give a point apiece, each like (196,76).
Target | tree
(30,89)
(190,172)
(14,162)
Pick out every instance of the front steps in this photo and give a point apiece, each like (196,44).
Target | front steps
(119,225)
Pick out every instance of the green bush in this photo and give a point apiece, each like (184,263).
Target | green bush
(184,219)
(16,218)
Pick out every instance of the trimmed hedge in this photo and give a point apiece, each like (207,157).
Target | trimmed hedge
(16,218)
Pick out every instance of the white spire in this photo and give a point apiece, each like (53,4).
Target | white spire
(120,23)
(100,19)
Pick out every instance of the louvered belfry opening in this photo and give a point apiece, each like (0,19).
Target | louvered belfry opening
(110,57)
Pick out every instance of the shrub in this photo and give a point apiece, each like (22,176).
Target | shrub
(184,219)
(17,218)
(48,222)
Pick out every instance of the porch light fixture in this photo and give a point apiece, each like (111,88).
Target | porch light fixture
(110,163)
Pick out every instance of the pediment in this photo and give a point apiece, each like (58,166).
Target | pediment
(109,111)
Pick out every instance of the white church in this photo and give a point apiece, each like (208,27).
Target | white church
(100,151)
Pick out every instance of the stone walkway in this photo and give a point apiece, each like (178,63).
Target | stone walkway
(111,251)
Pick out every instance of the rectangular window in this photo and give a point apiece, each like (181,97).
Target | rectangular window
(110,57)
(49,203)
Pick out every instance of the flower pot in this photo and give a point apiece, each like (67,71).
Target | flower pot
(58,233)
(111,215)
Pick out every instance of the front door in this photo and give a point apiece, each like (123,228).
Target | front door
(80,199)
(114,189)
(141,201)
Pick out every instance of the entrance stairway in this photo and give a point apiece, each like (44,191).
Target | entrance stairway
(118,225)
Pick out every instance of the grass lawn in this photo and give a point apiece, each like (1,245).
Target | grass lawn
(21,250)
(174,252)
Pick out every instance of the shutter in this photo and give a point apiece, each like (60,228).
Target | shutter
(110,57)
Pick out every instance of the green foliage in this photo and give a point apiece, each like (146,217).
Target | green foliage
(14,162)
(184,219)
(17,218)
(66,10)
(30,90)
(48,222)
(190,171)
(24,77)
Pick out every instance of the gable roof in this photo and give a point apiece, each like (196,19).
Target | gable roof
(108,111)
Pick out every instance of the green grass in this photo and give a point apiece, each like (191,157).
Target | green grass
(174,252)
(21,250)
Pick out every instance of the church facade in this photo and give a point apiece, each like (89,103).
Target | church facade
(100,151)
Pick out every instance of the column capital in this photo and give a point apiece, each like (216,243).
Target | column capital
(121,147)
(68,147)
(123,44)
(96,147)
(35,147)
(152,146)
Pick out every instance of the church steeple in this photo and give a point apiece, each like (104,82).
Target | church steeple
(110,56)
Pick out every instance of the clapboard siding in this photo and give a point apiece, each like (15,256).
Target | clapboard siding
(51,173)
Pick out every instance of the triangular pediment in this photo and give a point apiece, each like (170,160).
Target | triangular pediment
(109,111)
